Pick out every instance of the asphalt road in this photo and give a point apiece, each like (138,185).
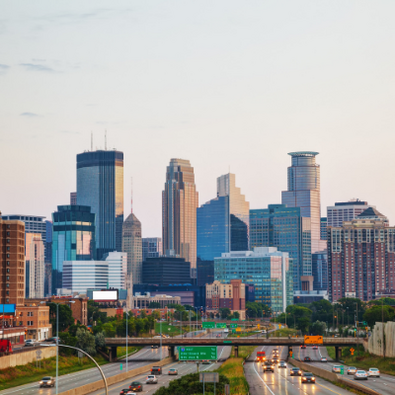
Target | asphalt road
(280,382)
(385,384)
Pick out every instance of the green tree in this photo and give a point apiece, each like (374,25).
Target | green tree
(100,340)
(318,328)
(386,301)
(109,329)
(69,340)
(94,313)
(225,313)
(377,314)
(348,307)
(86,341)
(65,316)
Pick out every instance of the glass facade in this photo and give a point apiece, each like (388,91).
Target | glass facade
(205,272)
(179,203)
(268,270)
(320,271)
(100,186)
(166,270)
(73,238)
(152,247)
(304,192)
(131,244)
(284,227)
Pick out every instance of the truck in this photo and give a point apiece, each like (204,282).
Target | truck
(261,356)
(5,347)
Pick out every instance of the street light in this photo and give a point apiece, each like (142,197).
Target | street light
(57,341)
(127,336)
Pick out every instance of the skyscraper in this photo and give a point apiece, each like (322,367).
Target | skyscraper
(345,211)
(284,227)
(152,247)
(100,186)
(131,244)
(304,192)
(179,204)
(35,266)
(239,212)
(73,239)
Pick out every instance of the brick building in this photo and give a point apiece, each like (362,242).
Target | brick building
(35,317)
(361,257)
(231,296)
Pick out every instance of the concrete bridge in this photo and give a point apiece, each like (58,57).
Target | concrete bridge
(336,342)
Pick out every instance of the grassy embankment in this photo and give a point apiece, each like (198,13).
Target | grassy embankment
(173,330)
(284,332)
(365,360)
(19,375)
(121,351)
(233,369)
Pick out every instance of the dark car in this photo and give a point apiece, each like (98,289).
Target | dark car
(295,372)
(47,381)
(124,391)
(268,366)
(303,347)
(155,370)
(136,386)
(308,378)
(307,359)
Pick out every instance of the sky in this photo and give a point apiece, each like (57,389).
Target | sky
(226,84)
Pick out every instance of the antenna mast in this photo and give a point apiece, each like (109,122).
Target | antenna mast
(131,195)
(105,140)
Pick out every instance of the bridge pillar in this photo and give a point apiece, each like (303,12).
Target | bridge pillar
(172,351)
(236,348)
(113,354)
(338,353)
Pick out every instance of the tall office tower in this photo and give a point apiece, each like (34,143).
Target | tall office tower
(35,266)
(319,264)
(304,192)
(323,228)
(12,262)
(117,269)
(285,228)
(269,270)
(73,239)
(179,203)
(100,186)
(239,212)
(361,257)
(345,211)
(131,244)
(152,247)
(48,260)
(73,198)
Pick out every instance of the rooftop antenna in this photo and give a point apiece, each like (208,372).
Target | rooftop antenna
(91,141)
(105,140)
(131,195)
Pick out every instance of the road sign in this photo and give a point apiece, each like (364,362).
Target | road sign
(234,319)
(291,353)
(208,325)
(313,340)
(238,329)
(233,330)
(209,377)
(341,369)
(352,351)
(233,326)
(38,354)
(259,325)
(120,367)
(197,353)
(279,325)
(220,325)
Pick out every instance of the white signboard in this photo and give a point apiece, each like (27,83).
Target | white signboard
(104,296)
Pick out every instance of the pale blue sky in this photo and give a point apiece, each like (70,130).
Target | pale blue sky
(221,83)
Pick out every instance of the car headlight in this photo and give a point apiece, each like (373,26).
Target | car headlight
(49,382)
(41,382)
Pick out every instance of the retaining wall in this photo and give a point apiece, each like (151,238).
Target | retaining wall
(22,358)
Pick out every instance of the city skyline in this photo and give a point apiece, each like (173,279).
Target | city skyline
(312,77)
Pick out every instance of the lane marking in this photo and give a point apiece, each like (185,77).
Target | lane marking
(263,381)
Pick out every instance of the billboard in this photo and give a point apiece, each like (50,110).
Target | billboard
(105,295)
(313,340)
(7,308)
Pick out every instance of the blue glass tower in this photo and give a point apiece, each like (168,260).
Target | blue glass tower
(284,227)
(73,239)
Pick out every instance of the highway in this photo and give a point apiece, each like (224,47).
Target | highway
(384,385)
(280,382)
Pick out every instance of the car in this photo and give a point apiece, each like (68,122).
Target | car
(219,335)
(336,368)
(308,377)
(263,332)
(268,366)
(360,375)
(307,359)
(136,386)
(151,379)
(303,347)
(282,364)
(29,343)
(324,359)
(295,372)
(156,370)
(206,362)
(154,346)
(275,350)
(351,370)
(125,391)
(172,371)
(53,340)
(315,347)
(374,372)
(47,381)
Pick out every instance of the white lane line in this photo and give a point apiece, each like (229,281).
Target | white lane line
(263,380)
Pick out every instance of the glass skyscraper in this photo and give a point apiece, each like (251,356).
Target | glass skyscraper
(284,227)
(304,192)
(179,203)
(269,270)
(73,239)
(100,186)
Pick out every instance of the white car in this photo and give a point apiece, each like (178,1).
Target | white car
(151,379)
(374,372)
(360,375)
(323,359)
(336,369)
(29,343)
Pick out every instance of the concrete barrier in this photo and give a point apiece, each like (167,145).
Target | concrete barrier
(357,386)
(23,358)
(97,385)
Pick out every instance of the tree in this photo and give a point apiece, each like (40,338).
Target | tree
(154,305)
(100,340)
(69,340)
(65,316)
(109,329)
(225,313)
(94,313)
(377,314)
(348,306)
(86,341)
(386,301)
(318,328)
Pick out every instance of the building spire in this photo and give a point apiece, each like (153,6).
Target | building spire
(131,195)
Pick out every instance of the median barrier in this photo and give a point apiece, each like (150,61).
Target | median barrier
(357,386)
(97,385)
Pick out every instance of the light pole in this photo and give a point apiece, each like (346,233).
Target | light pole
(127,349)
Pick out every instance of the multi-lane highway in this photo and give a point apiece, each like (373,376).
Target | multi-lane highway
(280,382)
(384,385)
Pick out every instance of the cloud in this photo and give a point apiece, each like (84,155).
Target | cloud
(29,114)
(37,67)
(3,68)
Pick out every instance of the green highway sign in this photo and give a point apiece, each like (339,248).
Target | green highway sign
(208,325)
(220,325)
(197,353)
(233,326)
(234,319)
(233,330)
(227,341)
